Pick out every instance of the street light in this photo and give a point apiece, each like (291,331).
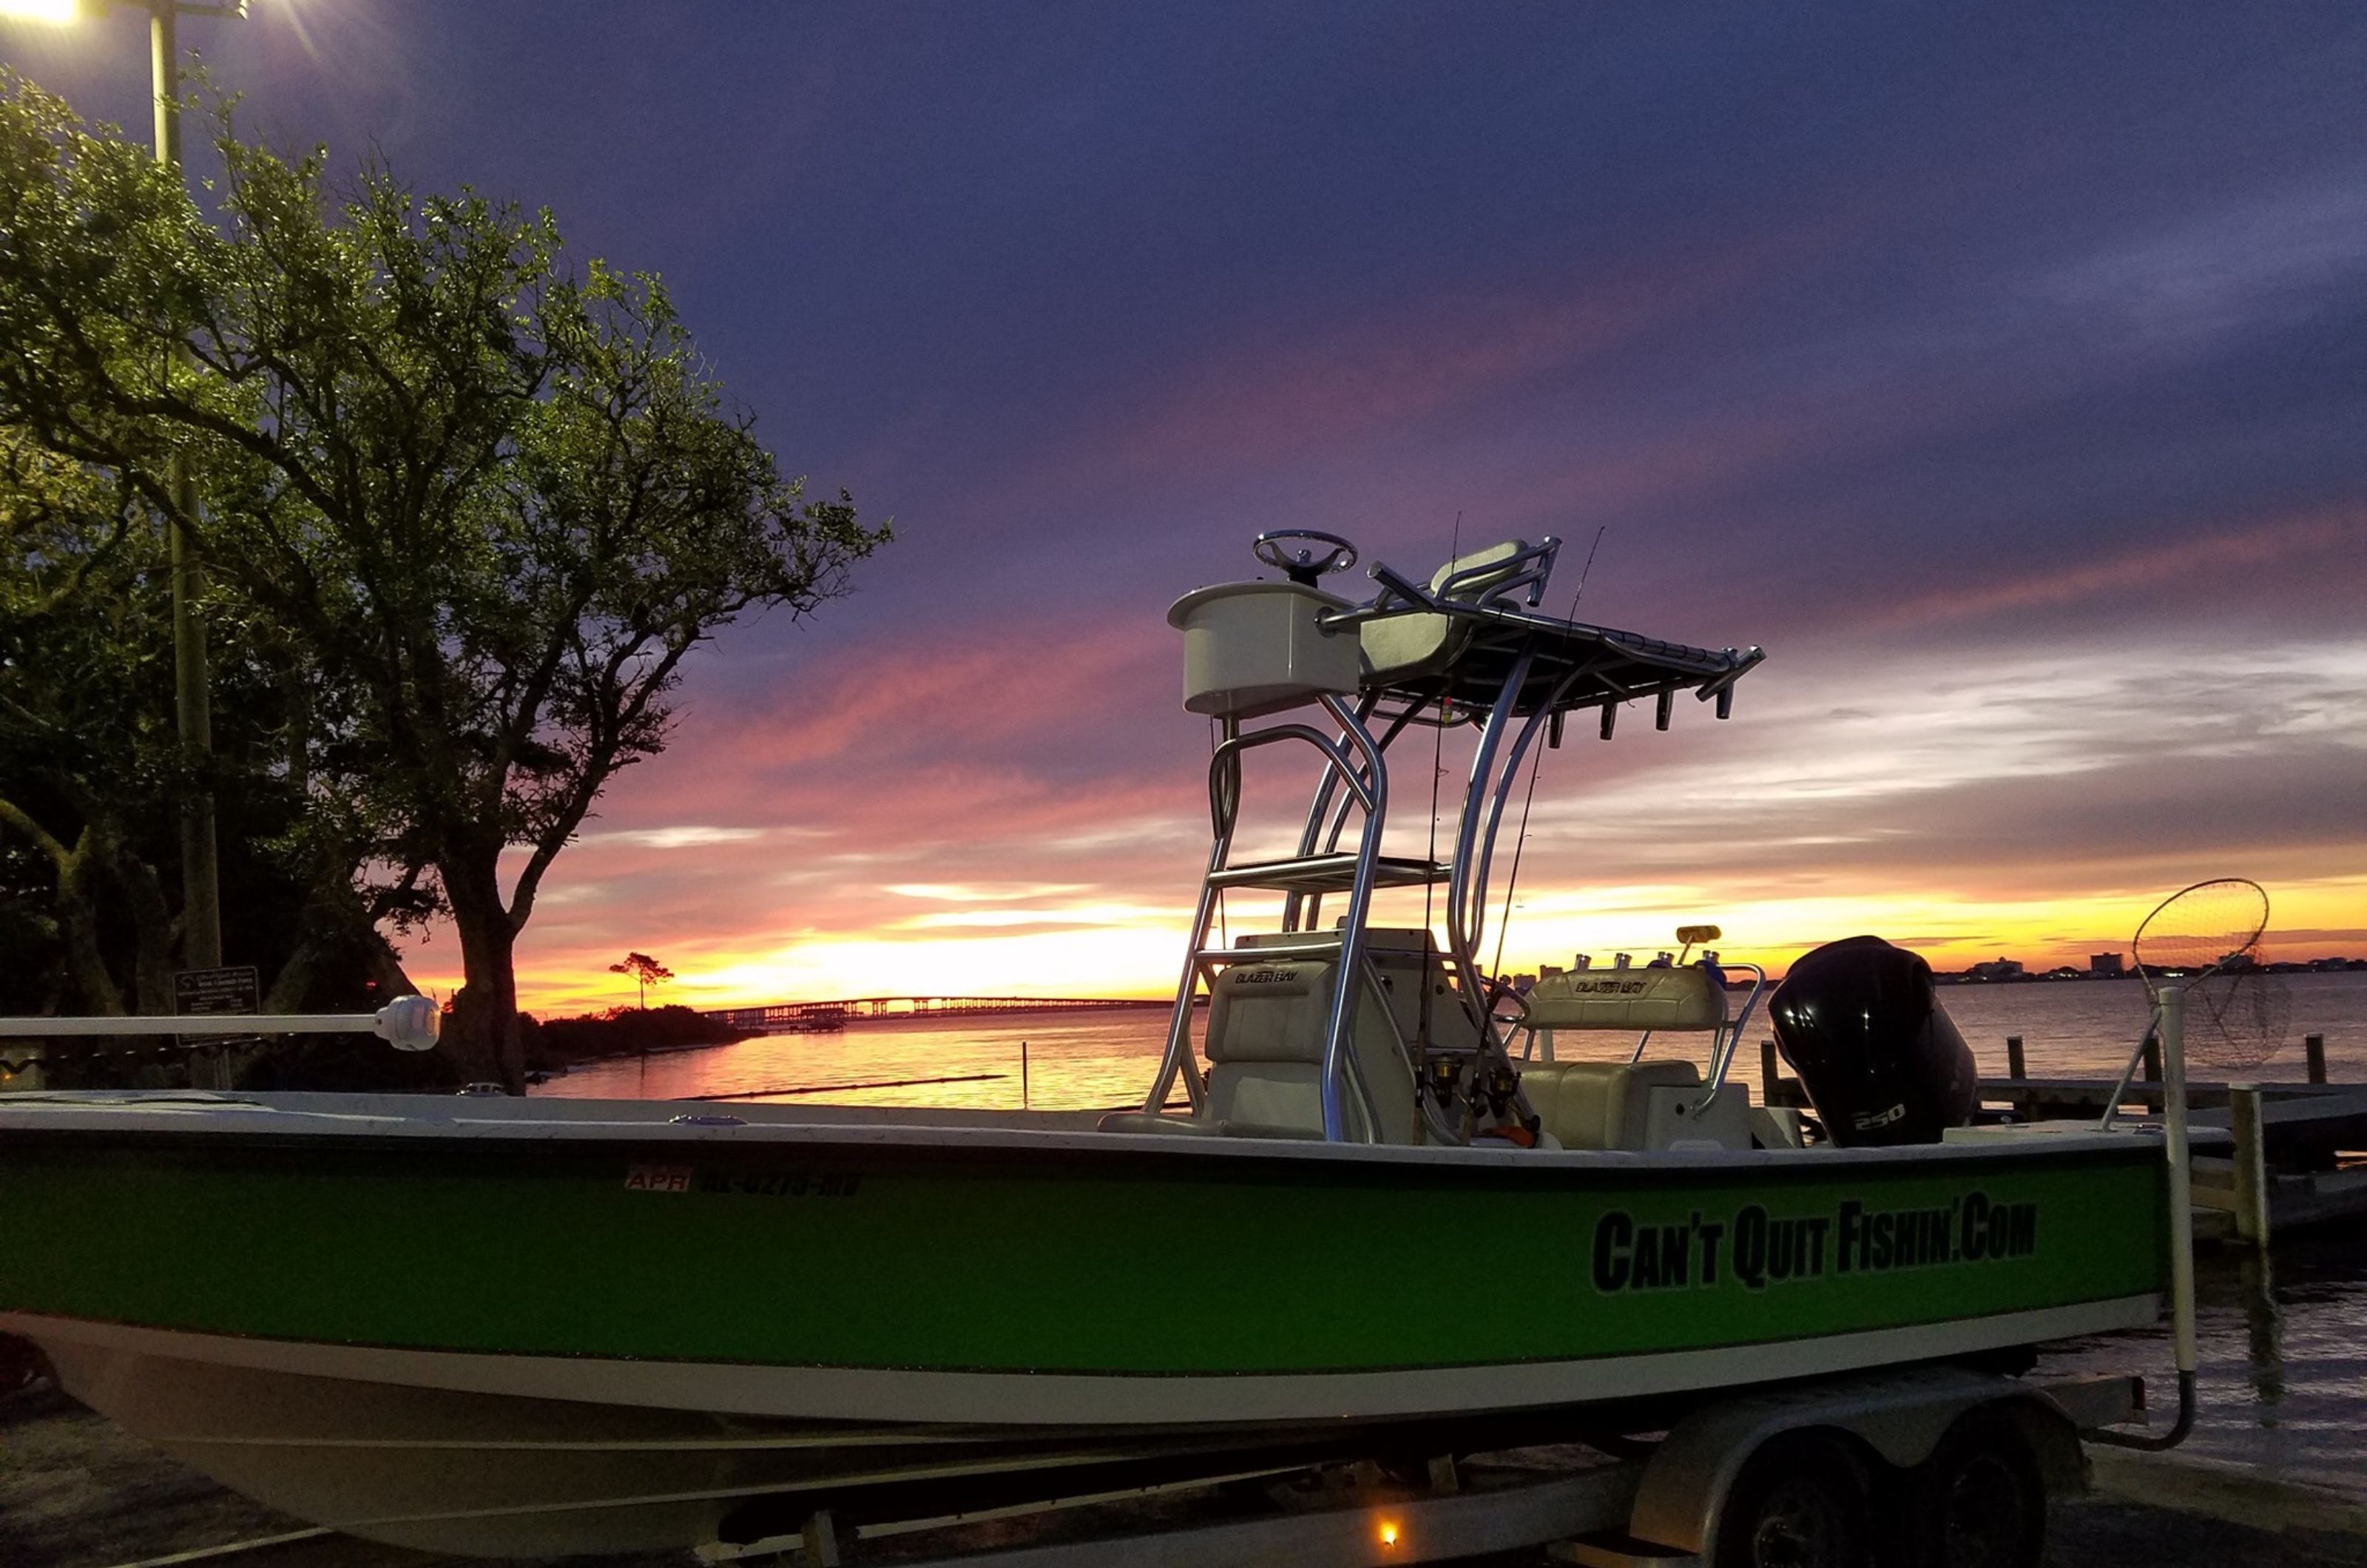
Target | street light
(192,700)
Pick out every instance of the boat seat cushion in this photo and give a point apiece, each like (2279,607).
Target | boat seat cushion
(1691,998)
(1270,1012)
(1265,1046)
(1601,1105)
(1398,646)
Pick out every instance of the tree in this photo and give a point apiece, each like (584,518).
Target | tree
(492,503)
(644,969)
(92,773)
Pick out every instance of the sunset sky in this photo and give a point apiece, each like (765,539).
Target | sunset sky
(2003,373)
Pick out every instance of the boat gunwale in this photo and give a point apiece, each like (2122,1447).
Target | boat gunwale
(243,1123)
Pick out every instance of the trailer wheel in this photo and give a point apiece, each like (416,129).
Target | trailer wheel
(1800,1501)
(1978,1502)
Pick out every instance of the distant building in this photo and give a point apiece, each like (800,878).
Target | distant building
(1995,969)
(2105,965)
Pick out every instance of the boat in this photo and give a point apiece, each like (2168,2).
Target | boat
(1390,1213)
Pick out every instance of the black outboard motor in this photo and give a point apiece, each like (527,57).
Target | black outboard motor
(1880,1059)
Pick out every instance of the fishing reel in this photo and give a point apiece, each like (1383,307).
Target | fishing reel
(1496,1088)
(1442,1078)
(1493,1093)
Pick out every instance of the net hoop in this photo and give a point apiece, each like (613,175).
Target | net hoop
(2209,935)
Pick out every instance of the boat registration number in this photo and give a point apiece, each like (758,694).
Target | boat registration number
(747,1183)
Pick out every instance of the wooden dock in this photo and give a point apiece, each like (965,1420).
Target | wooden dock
(2296,1155)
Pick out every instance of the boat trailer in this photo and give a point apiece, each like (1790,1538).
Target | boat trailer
(1817,1472)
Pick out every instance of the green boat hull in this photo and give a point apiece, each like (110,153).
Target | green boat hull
(460,1273)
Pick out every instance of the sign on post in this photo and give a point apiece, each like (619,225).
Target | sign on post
(214,993)
(204,993)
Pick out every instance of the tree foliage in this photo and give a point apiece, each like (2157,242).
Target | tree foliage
(487,504)
(92,775)
(646,972)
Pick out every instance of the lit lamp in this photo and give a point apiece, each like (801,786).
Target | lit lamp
(192,701)
(161,48)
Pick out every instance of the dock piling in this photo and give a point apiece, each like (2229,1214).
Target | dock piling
(2251,1164)
(2015,1067)
(2312,1047)
(2153,1058)
(1769,1072)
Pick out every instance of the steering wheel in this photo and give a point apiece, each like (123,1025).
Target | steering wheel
(1304,567)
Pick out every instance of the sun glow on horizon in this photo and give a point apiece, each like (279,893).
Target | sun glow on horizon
(1135,951)
(2036,810)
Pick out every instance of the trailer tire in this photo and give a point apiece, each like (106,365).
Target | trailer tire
(1978,1502)
(1799,1502)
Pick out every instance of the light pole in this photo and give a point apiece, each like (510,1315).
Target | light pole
(192,699)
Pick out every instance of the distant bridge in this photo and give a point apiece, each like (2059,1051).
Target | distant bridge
(797,1018)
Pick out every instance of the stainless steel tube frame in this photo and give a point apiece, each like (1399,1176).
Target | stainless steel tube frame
(1348,977)
(1368,787)
(1722,1051)
(1464,919)
(1179,1026)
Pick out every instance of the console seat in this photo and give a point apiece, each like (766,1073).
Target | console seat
(1601,1105)
(1265,1062)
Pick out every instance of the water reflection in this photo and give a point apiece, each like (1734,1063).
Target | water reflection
(2280,1346)
(1081,1061)
(2264,1327)
(1046,1062)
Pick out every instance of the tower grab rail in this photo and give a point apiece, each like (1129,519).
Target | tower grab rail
(1348,978)
(1224,809)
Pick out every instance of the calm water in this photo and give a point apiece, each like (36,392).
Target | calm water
(2283,1344)
(1079,1061)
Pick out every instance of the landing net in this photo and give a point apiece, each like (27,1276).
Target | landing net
(2207,939)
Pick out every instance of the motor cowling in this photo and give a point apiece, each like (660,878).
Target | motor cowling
(1880,1059)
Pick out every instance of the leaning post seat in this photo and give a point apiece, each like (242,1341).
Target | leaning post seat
(1398,647)
(1637,1105)
(1264,1047)
(1681,998)
(1265,1055)
(1602,1105)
